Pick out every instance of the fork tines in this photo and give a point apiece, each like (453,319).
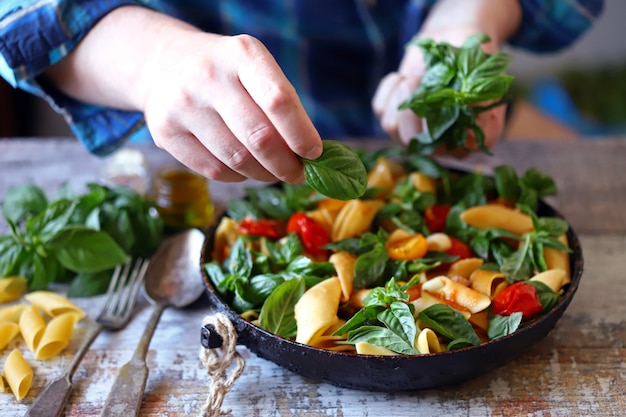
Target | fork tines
(122,292)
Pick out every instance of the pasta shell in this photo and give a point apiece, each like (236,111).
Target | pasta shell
(18,374)
(11,288)
(317,309)
(8,330)
(53,304)
(355,218)
(465,267)
(427,342)
(458,294)
(424,183)
(344,265)
(32,327)
(498,216)
(556,259)
(12,313)
(56,336)
(553,278)
(364,348)
(489,283)
(438,242)
(225,236)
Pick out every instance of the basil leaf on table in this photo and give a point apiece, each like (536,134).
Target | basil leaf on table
(338,173)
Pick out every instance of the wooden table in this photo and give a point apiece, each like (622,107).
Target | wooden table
(578,369)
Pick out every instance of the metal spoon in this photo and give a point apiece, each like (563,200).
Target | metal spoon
(172,279)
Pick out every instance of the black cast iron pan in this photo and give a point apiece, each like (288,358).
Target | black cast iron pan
(395,373)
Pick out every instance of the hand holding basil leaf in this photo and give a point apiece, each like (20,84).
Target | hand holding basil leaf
(338,173)
(456,81)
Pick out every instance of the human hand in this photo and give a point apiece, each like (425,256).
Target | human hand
(402,124)
(452,21)
(222,106)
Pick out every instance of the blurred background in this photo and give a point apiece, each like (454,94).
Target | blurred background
(578,92)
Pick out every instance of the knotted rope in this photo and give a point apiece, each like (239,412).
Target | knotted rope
(224,364)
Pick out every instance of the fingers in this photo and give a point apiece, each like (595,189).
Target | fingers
(229,113)
(267,86)
(400,124)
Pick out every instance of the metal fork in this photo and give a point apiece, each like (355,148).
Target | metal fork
(115,314)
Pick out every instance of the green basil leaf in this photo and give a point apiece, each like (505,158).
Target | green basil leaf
(338,173)
(448,322)
(383,337)
(277,314)
(507,182)
(86,250)
(500,326)
(547,297)
(23,201)
(88,285)
(399,319)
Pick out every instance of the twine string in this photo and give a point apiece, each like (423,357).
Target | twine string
(224,365)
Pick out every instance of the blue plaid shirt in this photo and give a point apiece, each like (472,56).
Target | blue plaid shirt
(334,52)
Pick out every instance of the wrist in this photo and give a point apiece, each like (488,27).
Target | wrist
(454,20)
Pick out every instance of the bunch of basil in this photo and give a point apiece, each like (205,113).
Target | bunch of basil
(75,238)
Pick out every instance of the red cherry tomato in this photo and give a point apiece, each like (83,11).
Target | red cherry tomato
(459,248)
(273,229)
(435,217)
(518,297)
(312,234)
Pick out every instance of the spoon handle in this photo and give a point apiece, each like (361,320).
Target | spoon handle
(126,395)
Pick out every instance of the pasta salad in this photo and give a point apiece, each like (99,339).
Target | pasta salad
(427,260)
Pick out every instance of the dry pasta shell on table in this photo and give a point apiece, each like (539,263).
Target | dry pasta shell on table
(553,278)
(18,374)
(344,265)
(316,310)
(32,327)
(355,218)
(53,304)
(11,288)
(557,259)
(56,336)
(12,313)
(8,330)
(498,216)
(486,282)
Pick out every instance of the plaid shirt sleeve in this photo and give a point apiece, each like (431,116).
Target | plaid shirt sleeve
(36,34)
(551,25)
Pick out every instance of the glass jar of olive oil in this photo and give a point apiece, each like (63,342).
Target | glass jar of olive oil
(182,199)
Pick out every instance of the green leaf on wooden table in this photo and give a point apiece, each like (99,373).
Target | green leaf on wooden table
(338,173)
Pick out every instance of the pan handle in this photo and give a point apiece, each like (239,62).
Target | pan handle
(210,338)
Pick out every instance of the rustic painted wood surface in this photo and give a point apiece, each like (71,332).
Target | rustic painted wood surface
(579,369)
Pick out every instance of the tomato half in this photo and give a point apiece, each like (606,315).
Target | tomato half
(312,234)
(436,216)
(263,227)
(407,248)
(518,297)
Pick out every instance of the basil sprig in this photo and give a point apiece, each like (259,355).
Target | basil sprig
(75,238)
(338,173)
(455,82)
